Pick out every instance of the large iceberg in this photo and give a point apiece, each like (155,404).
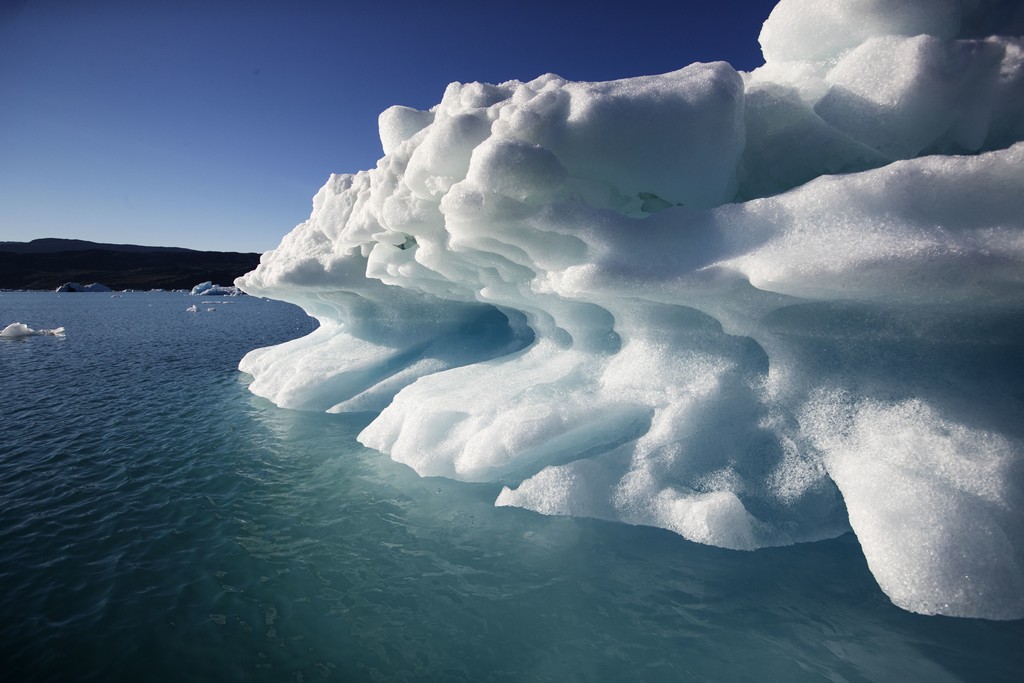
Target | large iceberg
(753,308)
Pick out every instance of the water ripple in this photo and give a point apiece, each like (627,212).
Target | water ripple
(157,522)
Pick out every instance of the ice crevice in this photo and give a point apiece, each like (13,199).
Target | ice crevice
(754,308)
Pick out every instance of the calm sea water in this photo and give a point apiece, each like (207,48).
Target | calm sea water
(160,523)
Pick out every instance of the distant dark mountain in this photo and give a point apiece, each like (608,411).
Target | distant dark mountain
(48,245)
(48,263)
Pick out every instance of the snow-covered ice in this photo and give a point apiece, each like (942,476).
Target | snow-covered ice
(753,308)
(21,330)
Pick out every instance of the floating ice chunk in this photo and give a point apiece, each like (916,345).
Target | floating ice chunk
(704,301)
(21,330)
(210,289)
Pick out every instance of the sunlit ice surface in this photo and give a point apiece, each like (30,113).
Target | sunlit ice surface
(754,309)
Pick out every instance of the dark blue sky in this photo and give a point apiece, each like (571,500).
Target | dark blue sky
(211,124)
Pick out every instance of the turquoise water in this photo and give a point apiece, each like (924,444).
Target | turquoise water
(158,522)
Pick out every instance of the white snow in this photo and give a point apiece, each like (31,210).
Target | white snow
(753,308)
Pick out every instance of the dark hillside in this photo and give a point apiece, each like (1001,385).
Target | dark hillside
(24,266)
(55,244)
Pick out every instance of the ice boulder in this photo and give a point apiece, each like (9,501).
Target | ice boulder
(753,308)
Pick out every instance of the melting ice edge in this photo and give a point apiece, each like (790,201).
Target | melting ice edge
(753,308)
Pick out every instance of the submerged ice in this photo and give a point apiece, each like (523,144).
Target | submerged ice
(753,308)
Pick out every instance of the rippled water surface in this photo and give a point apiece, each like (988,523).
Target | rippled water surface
(158,522)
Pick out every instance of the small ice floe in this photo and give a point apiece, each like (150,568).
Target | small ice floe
(208,288)
(192,309)
(21,330)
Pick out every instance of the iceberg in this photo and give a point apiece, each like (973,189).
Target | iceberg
(21,330)
(755,309)
(208,288)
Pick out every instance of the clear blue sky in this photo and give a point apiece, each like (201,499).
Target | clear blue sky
(211,124)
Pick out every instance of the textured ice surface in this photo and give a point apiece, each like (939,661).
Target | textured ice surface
(755,309)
